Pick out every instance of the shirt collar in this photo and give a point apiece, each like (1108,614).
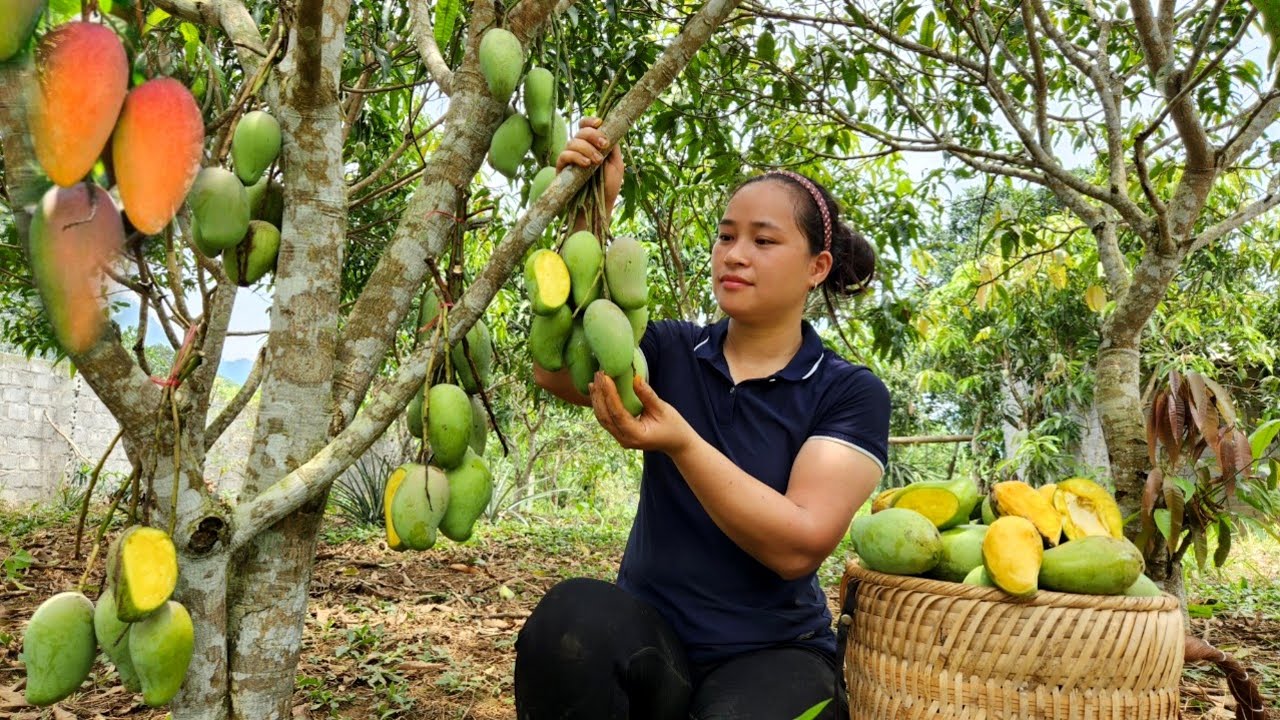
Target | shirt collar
(802,366)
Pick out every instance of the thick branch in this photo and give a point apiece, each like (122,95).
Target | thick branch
(1113,264)
(234,19)
(1169,80)
(1242,216)
(428,49)
(121,385)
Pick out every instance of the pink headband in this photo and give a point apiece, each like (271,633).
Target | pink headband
(807,184)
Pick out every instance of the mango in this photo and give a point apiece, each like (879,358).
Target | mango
(988,512)
(897,541)
(961,552)
(585,259)
(975,515)
(413,413)
(18,20)
(626,384)
(113,637)
(156,151)
(978,576)
(394,481)
(161,646)
(418,505)
(470,489)
(142,571)
(480,343)
(547,147)
(75,234)
(540,99)
(1012,552)
(639,319)
(609,335)
(501,60)
(448,424)
(1047,491)
(945,503)
(884,499)
(249,261)
(626,265)
(1093,565)
(83,78)
(266,201)
(548,335)
(1086,509)
(58,647)
(510,143)
(541,181)
(479,426)
(546,278)
(1018,498)
(220,206)
(1143,587)
(579,360)
(255,145)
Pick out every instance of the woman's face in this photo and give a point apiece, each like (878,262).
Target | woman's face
(761,266)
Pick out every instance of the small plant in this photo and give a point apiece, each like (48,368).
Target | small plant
(357,495)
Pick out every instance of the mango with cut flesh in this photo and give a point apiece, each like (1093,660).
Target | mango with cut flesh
(394,481)
(58,647)
(75,234)
(142,571)
(585,260)
(1047,491)
(479,426)
(546,278)
(419,503)
(579,360)
(609,335)
(945,503)
(83,78)
(470,489)
(480,345)
(961,552)
(1086,509)
(510,143)
(626,266)
(113,638)
(540,98)
(220,207)
(1093,565)
(255,145)
(548,335)
(897,541)
(254,256)
(448,424)
(156,151)
(1018,498)
(884,499)
(161,646)
(1012,552)
(18,20)
(501,60)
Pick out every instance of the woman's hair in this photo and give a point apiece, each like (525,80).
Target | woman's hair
(853,261)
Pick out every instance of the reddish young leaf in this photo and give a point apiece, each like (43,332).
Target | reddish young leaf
(1222,399)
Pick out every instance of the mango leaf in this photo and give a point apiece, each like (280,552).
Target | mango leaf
(1176,505)
(1161,519)
(1269,10)
(1263,436)
(1177,405)
(446,19)
(1201,547)
(814,711)
(766,48)
(1222,399)
(1224,542)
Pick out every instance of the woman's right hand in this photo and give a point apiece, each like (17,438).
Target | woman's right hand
(587,148)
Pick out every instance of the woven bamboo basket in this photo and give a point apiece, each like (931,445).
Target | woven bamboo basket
(921,648)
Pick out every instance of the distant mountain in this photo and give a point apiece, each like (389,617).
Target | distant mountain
(237,371)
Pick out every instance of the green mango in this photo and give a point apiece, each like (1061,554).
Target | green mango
(510,143)
(610,336)
(479,425)
(220,208)
(547,148)
(413,413)
(419,503)
(639,319)
(18,19)
(480,343)
(582,364)
(946,503)
(470,489)
(541,182)
(548,335)
(1094,565)
(626,383)
(540,99)
(978,576)
(897,541)
(255,144)
(1143,587)
(584,257)
(988,512)
(501,60)
(161,646)
(266,201)
(448,424)
(255,256)
(961,552)
(58,647)
(113,638)
(626,265)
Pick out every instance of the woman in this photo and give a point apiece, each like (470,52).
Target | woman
(759,445)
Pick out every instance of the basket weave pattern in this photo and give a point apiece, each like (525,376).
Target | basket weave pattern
(923,648)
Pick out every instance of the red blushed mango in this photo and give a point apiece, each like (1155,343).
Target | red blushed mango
(84,76)
(75,234)
(156,151)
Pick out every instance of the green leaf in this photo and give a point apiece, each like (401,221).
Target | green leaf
(446,19)
(813,712)
(766,49)
(1161,517)
(1224,542)
(1196,610)
(1262,438)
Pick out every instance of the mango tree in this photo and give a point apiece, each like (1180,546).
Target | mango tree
(245,563)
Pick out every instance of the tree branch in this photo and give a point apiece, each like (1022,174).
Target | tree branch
(1241,216)
(428,49)
(234,19)
(233,409)
(1113,263)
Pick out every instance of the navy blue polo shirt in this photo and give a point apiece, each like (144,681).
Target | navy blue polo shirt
(720,600)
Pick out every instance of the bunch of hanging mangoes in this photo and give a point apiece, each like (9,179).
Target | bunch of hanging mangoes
(590,309)
(540,129)
(148,637)
(81,106)
(451,493)
(1066,537)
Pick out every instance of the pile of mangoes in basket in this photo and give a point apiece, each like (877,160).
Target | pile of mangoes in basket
(1065,537)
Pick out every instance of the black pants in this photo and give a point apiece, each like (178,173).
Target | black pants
(590,651)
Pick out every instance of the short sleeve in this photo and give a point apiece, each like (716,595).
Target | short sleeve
(857,416)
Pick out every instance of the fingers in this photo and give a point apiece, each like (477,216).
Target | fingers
(644,391)
(584,150)
(598,403)
(590,121)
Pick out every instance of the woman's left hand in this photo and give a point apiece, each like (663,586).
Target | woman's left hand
(660,427)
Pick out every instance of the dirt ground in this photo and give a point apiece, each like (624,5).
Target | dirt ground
(430,635)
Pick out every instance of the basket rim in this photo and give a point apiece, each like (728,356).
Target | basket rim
(1049,598)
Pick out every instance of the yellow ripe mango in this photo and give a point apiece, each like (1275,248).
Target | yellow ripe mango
(1087,509)
(546,278)
(142,571)
(388,497)
(1012,552)
(1018,498)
